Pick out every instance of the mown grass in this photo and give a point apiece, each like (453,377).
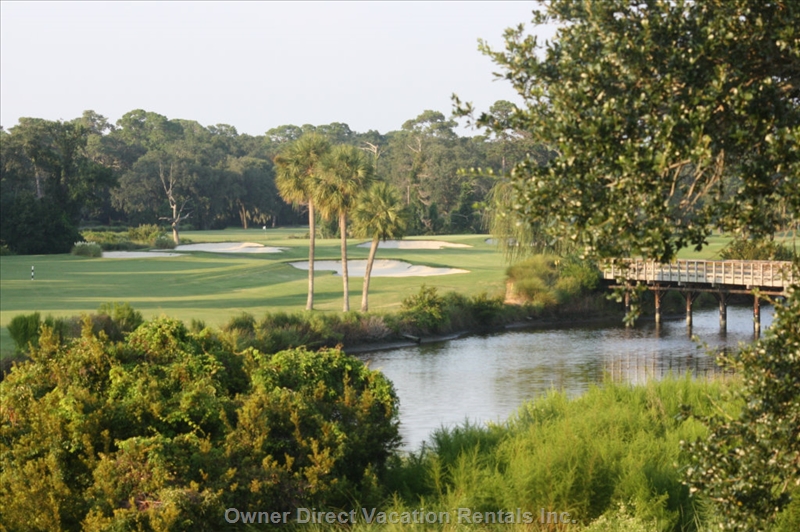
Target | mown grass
(213,287)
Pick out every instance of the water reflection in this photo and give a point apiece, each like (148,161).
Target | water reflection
(486,378)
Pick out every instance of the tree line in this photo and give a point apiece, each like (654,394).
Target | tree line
(59,176)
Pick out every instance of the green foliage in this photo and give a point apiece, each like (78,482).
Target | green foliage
(47,181)
(788,520)
(144,233)
(663,120)
(753,249)
(425,310)
(168,428)
(608,457)
(243,322)
(24,330)
(164,242)
(749,464)
(111,241)
(87,249)
(546,281)
(124,318)
(30,226)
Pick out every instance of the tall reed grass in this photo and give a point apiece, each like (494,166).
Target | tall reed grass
(611,456)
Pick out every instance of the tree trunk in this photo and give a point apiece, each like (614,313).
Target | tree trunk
(38,178)
(243,215)
(175,221)
(175,236)
(373,249)
(312,234)
(345,278)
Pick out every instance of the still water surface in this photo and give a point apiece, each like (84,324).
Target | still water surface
(486,378)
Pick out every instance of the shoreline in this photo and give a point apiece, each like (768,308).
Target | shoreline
(554,322)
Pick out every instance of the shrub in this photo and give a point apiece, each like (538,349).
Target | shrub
(124,318)
(145,233)
(243,322)
(425,310)
(111,240)
(169,428)
(546,281)
(5,251)
(753,249)
(87,249)
(163,242)
(24,330)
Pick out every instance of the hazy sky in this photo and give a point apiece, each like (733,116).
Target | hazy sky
(253,65)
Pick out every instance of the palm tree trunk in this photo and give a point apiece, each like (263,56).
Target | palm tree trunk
(312,233)
(371,259)
(345,278)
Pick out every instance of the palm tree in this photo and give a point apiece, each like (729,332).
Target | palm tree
(346,171)
(298,167)
(380,214)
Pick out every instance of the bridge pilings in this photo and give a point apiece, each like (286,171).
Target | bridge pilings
(658,295)
(756,316)
(691,297)
(723,297)
(692,277)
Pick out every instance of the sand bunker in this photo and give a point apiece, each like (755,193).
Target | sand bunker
(138,254)
(380,268)
(415,244)
(230,247)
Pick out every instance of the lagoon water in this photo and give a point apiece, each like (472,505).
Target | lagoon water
(486,378)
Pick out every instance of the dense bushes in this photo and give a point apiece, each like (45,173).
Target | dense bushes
(424,313)
(115,320)
(140,237)
(24,329)
(750,249)
(546,281)
(168,428)
(87,249)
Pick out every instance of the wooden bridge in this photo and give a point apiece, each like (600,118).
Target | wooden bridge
(718,277)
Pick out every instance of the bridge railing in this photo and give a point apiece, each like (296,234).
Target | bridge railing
(745,273)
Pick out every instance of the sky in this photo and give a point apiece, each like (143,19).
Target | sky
(252,65)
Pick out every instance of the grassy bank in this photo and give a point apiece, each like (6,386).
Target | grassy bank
(611,460)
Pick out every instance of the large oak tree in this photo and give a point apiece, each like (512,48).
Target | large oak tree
(667,119)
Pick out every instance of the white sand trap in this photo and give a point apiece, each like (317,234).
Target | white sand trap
(415,244)
(230,247)
(138,254)
(380,268)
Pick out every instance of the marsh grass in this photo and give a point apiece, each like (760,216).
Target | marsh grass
(613,454)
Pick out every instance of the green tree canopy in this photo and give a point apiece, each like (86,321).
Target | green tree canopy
(48,181)
(666,119)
